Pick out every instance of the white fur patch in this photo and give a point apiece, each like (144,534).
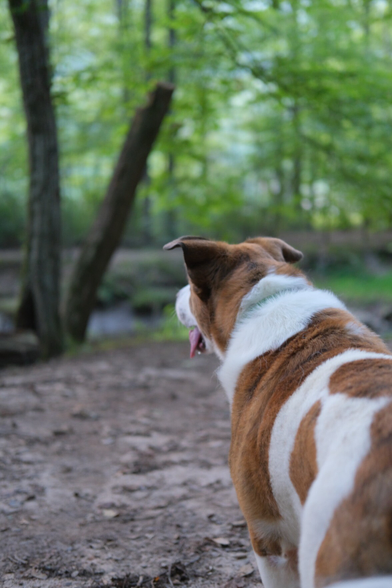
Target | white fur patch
(186,317)
(343,439)
(276,573)
(377,582)
(267,327)
(284,432)
(183,309)
(313,389)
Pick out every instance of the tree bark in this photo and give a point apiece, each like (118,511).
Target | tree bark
(171,217)
(297,162)
(39,306)
(146,206)
(147,25)
(106,232)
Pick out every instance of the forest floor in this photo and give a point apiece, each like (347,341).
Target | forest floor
(113,472)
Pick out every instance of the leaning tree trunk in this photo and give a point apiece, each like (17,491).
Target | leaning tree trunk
(106,232)
(39,306)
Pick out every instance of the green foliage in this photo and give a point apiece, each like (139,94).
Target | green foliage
(358,287)
(282,117)
(170,329)
(153,300)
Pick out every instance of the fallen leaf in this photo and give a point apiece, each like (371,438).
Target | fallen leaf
(246,570)
(240,554)
(109,513)
(240,523)
(221,541)
(38,575)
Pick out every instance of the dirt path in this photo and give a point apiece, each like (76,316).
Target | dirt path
(113,472)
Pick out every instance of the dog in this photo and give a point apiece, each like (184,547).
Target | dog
(310,391)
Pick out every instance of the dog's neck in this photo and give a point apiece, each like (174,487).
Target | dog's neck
(268,288)
(277,308)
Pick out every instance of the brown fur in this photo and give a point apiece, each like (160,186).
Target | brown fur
(359,540)
(367,378)
(262,389)
(264,546)
(303,462)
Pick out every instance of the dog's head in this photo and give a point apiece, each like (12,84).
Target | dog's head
(220,276)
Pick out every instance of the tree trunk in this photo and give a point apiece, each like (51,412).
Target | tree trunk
(296,179)
(171,216)
(146,207)
(39,306)
(172,36)
(279,198)
(147,27)
(106,232)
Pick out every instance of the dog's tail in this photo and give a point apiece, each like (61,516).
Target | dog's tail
(375,582)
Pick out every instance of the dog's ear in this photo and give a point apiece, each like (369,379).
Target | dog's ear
(288,252)
(278,249)
(203,259)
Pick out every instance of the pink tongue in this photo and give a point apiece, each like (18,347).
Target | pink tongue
(194,338)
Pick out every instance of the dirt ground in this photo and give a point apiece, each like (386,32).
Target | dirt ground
(113,472)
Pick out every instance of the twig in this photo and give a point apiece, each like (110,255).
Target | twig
(169,575)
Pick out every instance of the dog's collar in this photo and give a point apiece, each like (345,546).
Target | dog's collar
(272,286)
(248,310)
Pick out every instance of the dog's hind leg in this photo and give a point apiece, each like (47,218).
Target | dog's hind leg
(278,572)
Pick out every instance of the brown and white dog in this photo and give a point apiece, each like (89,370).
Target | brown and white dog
(310,390)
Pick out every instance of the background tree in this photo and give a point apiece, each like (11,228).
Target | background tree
(39,307)
(107,229)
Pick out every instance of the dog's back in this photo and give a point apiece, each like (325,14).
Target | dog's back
(311,441)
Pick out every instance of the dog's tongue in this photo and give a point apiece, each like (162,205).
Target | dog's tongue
(195,338)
